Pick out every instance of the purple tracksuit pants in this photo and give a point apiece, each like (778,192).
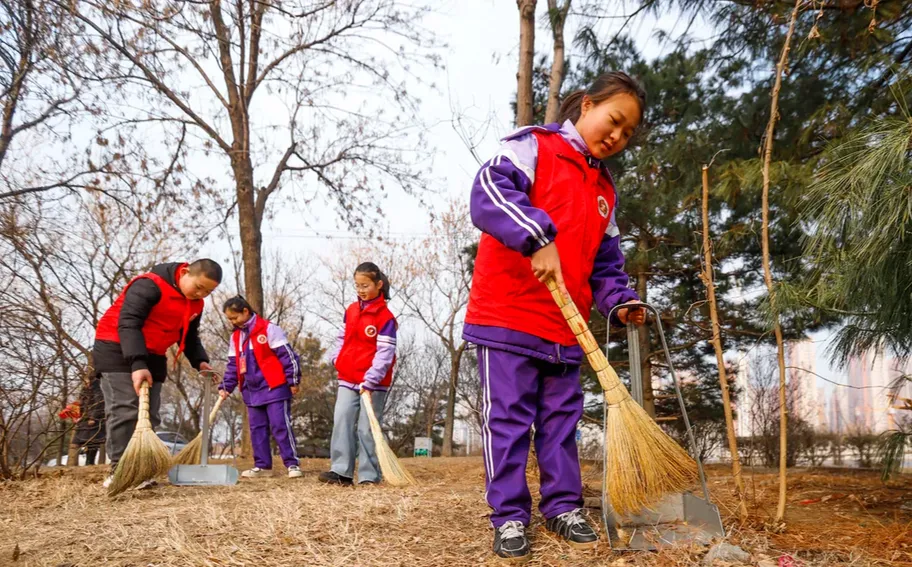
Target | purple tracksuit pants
(519,392)
(272,418)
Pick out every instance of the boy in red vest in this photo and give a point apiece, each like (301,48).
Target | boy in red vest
(364,356)
(546,206)
(268,371)
(156,310)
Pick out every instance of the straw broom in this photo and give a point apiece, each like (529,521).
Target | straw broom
(393,471)
(192,451)
(146,457)
(644,464)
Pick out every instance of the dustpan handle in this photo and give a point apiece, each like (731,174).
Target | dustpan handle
(207,394)
(633,339)
(636,370)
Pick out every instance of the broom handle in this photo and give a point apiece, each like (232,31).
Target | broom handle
(215,409)
(142,418)
(218,402)
(369,406)
(607,377)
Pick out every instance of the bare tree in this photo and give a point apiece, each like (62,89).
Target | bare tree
(440,292)
(707,277)
(767,270)
(416,405)
(36,86)
(557,17)
(765,410)
(311,95)
(61,264)
(55,97)
(524,109)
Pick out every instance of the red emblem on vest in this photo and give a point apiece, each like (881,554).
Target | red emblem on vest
(505,293)
(603,207)
(360,344)
(266,360)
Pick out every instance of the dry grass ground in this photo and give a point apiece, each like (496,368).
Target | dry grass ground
(64,519)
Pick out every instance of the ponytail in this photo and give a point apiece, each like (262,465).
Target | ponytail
(571,107)
(371,270)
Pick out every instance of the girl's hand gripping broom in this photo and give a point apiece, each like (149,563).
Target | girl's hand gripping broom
(145,457)
(393,471)
(644,463)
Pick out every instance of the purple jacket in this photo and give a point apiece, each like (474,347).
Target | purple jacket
(500,206)
(255,390)
(386,352)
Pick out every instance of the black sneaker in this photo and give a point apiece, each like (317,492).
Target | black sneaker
(333,478)
(573,527)
(511,543)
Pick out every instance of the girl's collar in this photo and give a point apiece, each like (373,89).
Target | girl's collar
(569,132)
(364,304)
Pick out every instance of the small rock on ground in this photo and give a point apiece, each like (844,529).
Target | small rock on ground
(726,552)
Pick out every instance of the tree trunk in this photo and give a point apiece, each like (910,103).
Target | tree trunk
(707,277)
(447,449)
(251,242)
(102,455)
(251,237)
(62,444)
(526,59)
(557,17)
(642,287)
(72,451)
(767,270)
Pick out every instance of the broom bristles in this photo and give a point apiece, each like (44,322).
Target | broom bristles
(145,457)
(393,471)
(192,453)
(643,463)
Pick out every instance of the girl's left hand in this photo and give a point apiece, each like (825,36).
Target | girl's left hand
(295,390)
(635,315)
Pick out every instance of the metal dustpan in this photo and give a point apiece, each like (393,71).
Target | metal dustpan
(204,474)
(679,518)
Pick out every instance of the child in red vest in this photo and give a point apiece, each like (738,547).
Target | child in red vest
(364,356)
(546,205)
(268,371)
(156,310)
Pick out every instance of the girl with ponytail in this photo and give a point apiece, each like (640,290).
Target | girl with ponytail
(364,357)
(546,207)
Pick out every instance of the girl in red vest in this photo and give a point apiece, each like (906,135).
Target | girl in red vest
(364,356)
(268,371)
(546,205)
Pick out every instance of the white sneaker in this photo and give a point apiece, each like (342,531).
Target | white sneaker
(295,472)
(256,472)
(147,484)
(107,481)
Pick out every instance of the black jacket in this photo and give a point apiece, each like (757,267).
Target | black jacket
(131,353)
(90,429)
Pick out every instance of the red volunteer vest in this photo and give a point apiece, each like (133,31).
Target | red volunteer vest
(579,199)
(165,324)
(266,360)
(360,343)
